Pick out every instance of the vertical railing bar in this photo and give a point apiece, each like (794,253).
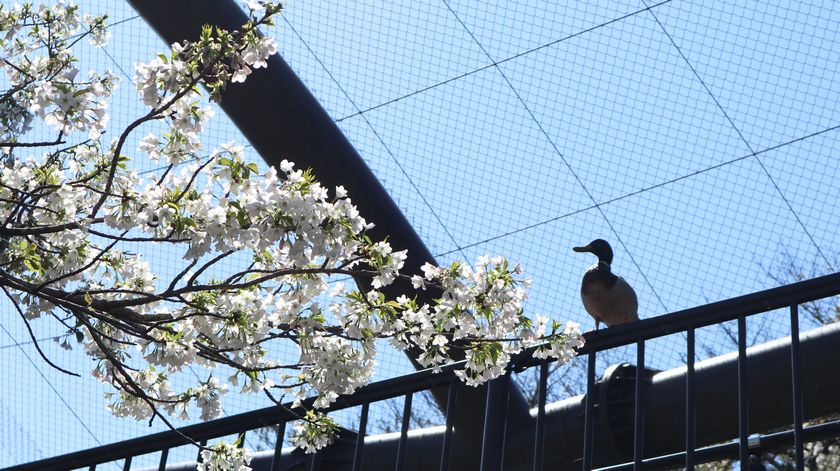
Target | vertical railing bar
(539,434)
(315,461)
(495,423)
(690,406)
(360,437)
(164,455)
(127,464)
(447,435)
(404,432)
(796,378)
(199,458)
(588,421)
(92,467)
(278,446)
(639,412)
(743,412)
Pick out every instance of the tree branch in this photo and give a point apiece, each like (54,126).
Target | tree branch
(32,335)
(40,230)
(12,145)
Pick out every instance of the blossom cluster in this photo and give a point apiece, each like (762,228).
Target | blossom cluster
(75,214)
(225,457)
(42,80)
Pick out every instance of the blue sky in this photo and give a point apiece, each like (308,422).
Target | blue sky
(698,137)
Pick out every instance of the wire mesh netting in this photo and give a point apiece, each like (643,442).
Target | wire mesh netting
(699,138)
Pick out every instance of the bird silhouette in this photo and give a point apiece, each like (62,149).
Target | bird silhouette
(607,297)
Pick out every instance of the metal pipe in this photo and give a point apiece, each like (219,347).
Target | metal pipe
(717,413)
(769,443)
(716,401)
(283,120)
(716,409)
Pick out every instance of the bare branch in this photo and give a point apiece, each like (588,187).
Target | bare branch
(12,145)
(207,265)
(40,230)
(81,269)
(32,335)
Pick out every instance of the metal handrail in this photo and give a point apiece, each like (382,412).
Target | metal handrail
(268,416)
(637,332)
(713,313)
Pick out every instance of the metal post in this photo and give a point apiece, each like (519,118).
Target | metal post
(406,418)
(796,379)
(278,446)
(447,434)
(689,403)
(588,421)
(539,434)
(360,437)
(315,461)
(199,458)
(493,440)
(164,455)
(639,412)
(743,412)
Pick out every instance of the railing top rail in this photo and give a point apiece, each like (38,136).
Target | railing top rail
(386,389)
(645,329)
(713,313)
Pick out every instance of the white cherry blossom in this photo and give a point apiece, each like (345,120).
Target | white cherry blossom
(78,219)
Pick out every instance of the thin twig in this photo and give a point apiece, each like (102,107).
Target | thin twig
(32,335)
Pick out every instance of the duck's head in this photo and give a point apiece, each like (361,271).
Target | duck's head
(600,247)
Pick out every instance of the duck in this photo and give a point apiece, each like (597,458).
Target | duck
(607,297)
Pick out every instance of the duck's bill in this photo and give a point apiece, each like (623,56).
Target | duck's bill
(585,248)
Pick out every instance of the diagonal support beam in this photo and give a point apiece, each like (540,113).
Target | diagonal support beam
(283,120)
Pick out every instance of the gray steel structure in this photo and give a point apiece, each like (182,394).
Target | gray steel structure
(633,417)
(283,120)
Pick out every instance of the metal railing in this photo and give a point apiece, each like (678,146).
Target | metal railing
(504,437)
(689,321)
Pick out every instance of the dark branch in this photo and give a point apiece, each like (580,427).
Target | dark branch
(58,140)
(32,335)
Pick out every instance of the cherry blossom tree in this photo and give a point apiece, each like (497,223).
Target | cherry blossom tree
(78,218)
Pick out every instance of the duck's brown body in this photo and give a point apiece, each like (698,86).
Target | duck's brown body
(606,296)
